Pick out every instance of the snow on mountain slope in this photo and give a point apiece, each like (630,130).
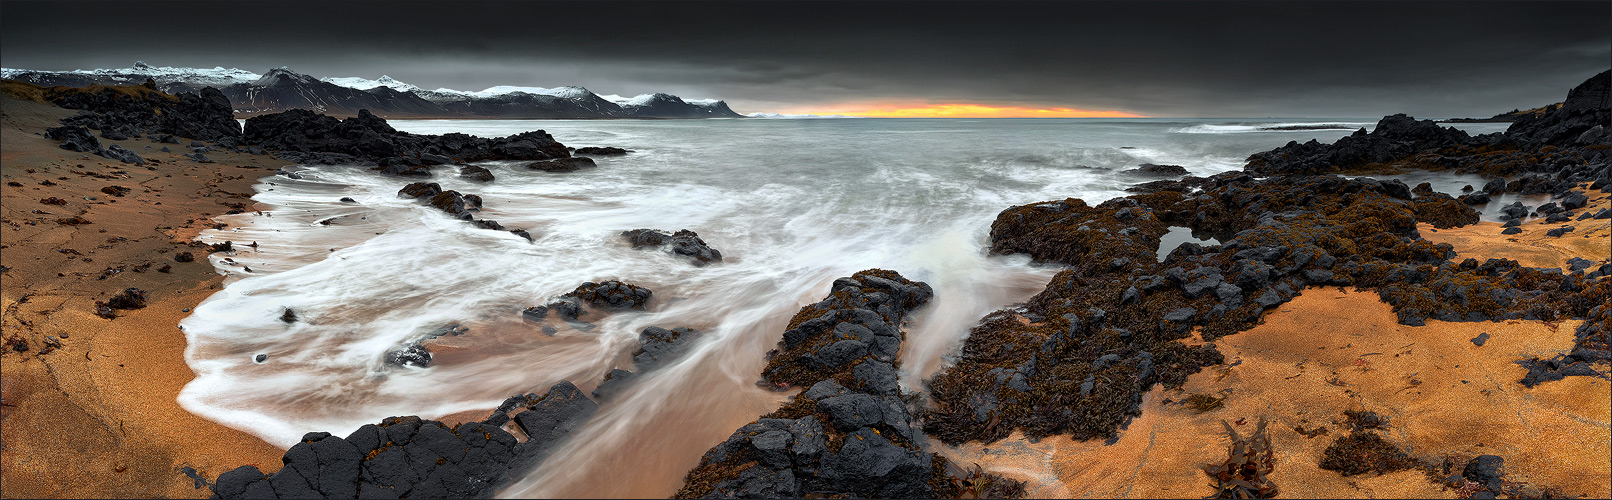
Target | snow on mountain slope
(367,84)
(280,89)
(140,71)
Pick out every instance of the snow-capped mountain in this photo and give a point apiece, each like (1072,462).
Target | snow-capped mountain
(670,106)
(281,88)
(367,84)
(134,75)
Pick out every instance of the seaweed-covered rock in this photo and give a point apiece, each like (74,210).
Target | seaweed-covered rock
(1280,235)
(612,295)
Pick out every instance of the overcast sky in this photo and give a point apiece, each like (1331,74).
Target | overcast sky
(1206,59)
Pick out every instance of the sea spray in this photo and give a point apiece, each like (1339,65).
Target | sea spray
(791,204)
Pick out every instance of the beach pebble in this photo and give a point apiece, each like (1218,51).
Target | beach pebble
(1480,339)
(260,358)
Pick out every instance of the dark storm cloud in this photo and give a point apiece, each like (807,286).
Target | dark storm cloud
(1158,58)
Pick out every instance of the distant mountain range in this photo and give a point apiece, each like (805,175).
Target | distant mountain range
(282,89)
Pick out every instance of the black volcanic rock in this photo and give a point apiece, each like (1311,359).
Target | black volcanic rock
(118,153)
(457,205)
(1586,108)
(1158,170)
(1396,137)
(129,111)
(684,242)
(561,165)
(612,295)
(409,457)
(659,346)
(1076,358)
(475,173)
(851,434)
(600,151)
(74,138)
(366,139)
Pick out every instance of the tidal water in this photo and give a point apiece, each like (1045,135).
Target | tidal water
(792,205)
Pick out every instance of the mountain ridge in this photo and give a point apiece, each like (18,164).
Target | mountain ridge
(281,89)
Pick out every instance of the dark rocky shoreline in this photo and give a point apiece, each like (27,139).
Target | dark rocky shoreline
(1075,359)
(853,433)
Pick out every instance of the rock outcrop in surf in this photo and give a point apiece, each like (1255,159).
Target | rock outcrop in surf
(852,433)
(410,457)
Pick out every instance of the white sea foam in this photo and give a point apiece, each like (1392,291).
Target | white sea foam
(792,204)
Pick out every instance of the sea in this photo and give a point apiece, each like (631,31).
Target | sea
(792,204)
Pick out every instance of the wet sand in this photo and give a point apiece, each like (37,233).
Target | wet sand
(1590,239)
(1332,350)
(97,416)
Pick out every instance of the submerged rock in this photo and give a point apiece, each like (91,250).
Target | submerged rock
(683,242)
(612,295)
(561,165)
(601,151)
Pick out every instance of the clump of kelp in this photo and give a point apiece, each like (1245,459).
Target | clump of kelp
(1248,461)
(1076,358)
(1363,450)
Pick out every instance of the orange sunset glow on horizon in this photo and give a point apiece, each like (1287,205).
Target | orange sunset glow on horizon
(957,110)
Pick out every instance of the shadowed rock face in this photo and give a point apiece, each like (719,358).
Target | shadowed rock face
(851,433)
(1585,109)
(407,457)
(366,139)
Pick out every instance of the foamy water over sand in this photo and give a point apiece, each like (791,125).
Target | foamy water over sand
(792,204)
